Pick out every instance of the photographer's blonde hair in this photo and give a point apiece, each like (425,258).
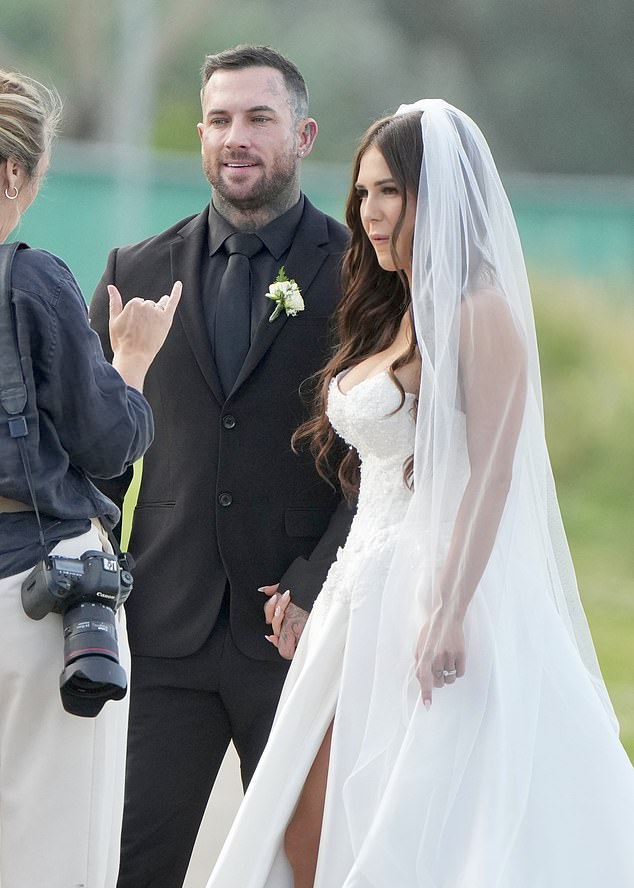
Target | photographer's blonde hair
(29,117)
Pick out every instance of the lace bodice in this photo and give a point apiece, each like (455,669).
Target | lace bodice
(364,417)
(370,419)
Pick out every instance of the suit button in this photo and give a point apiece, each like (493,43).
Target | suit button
(225,499)
(229,421)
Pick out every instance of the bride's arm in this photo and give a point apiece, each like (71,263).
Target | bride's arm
(493,382)
(492,370)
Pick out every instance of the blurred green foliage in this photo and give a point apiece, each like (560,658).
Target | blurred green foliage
(587,358)
(550,83)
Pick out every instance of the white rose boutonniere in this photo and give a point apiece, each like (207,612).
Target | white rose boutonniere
(286,295)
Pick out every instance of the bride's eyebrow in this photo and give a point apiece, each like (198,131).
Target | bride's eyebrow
(359,186)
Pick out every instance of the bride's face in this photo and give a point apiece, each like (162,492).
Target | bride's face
(381,202)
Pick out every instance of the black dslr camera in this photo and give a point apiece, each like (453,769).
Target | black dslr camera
(86,591)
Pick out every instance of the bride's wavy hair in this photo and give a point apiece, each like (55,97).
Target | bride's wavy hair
(373,300)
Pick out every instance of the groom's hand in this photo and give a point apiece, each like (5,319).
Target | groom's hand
(293,622)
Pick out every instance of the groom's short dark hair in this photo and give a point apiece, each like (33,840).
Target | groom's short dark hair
(247,56)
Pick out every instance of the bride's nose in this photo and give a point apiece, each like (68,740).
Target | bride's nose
(370,210)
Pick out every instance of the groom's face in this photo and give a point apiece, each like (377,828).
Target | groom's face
(249,136)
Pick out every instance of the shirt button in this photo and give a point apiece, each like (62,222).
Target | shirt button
(229,421)
(225,499)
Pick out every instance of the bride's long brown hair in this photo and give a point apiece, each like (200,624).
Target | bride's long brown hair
(373,301)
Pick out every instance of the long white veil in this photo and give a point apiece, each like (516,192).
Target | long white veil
(483,536)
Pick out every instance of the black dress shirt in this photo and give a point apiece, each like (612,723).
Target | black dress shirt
(277,237)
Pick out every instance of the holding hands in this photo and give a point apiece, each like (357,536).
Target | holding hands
(440,653)
(286,619)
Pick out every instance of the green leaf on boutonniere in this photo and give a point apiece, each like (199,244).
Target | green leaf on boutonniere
(286,294)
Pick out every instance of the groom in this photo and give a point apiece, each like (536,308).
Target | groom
(225,508)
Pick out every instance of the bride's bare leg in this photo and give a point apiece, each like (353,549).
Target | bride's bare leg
(301,841)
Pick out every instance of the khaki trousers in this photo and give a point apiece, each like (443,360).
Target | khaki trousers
(61,776)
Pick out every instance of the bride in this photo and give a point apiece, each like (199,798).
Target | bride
(444,723)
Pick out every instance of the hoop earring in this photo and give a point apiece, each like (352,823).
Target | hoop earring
(11,196)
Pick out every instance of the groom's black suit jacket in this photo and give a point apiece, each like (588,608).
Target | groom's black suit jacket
(222,494)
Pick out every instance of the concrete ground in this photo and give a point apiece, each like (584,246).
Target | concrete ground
(221,810)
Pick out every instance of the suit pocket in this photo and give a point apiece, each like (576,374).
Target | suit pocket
(306,522)
(159,505)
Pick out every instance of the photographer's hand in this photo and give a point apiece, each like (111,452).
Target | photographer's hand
(138,330)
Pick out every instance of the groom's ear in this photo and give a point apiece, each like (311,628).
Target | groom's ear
(307,135)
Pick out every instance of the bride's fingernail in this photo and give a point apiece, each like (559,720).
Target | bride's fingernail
(286,594)
(261,588)
(427,704)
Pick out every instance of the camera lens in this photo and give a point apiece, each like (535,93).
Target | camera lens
(92,673)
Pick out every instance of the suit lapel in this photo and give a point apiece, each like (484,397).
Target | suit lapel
(307,254)
(185,254)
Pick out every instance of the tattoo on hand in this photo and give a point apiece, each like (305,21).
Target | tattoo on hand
(296,618)
(292,626)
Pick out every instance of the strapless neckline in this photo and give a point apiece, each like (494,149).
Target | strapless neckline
(363,382)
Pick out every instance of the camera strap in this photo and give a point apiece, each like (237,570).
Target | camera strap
(12,386)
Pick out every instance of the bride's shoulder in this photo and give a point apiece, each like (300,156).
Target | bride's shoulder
(409,375)
(483,308)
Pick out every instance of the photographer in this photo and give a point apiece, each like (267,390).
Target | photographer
(61,777)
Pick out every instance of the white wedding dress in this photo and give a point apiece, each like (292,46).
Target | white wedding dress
(531,790)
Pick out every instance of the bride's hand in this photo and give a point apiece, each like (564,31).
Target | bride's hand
(275,612)
(440,653)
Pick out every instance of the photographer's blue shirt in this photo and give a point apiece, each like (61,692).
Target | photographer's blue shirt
(82,417)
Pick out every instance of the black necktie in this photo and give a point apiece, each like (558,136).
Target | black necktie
(232,329)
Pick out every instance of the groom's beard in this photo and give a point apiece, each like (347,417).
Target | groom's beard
(266,191)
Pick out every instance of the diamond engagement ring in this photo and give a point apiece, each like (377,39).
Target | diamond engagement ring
(447,672)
